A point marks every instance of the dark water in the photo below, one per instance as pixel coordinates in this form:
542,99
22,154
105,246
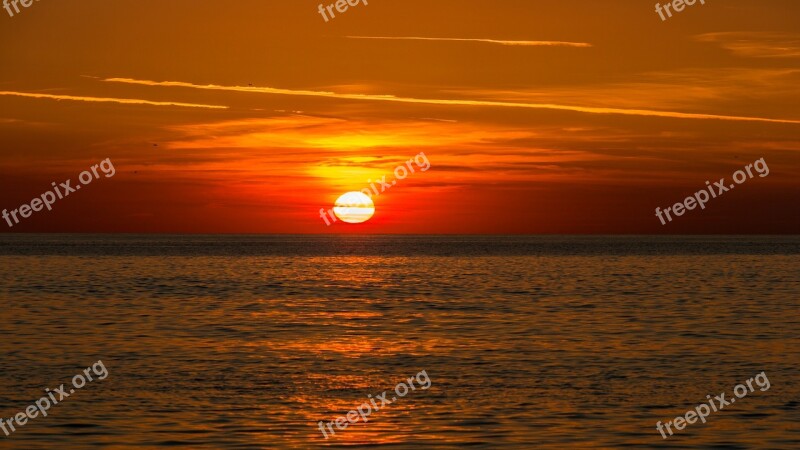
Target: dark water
529,342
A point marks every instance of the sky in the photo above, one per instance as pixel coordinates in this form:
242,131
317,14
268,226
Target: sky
566,117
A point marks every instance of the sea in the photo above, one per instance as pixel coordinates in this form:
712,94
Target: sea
259,341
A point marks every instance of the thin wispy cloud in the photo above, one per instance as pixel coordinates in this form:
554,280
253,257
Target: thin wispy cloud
756,44
125,101
484,41
323,133
452,102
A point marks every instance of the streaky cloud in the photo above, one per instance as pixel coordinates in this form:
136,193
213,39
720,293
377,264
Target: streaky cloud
451,102
485,41
125,101
756,44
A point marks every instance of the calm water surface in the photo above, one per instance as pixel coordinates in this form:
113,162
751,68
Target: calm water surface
242,342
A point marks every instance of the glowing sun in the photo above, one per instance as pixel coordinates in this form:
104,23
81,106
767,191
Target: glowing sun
354,207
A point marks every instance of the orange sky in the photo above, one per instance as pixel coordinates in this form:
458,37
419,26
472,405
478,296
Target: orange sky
569,116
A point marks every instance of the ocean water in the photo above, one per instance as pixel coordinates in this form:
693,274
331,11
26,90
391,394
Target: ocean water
247,342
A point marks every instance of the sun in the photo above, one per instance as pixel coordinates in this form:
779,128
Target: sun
354,207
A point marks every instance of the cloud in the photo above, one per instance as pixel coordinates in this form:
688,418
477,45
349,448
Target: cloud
126,101
452,102
756,44
322,133
735,90
485,41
